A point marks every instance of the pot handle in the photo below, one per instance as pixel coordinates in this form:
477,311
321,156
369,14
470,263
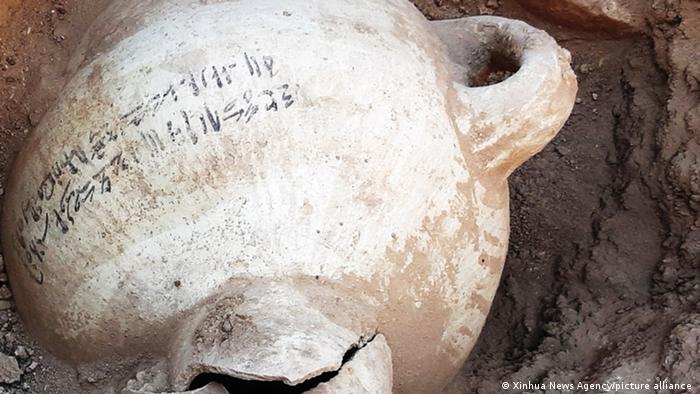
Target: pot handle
501,125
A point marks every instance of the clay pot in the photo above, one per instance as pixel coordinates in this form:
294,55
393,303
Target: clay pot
258,188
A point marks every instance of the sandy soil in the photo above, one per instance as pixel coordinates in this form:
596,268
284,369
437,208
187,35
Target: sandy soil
602,281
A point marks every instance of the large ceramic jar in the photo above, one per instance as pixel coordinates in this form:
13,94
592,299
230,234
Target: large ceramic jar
258,188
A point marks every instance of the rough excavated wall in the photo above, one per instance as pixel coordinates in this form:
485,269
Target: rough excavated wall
675,176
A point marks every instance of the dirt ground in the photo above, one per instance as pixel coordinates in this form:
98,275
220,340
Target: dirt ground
602,281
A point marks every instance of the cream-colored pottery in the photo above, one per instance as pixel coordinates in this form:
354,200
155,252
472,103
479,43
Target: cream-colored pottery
258,188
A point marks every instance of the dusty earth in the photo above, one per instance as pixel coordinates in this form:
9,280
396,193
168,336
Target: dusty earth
602,281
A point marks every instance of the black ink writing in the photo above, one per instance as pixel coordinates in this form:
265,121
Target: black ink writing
84,173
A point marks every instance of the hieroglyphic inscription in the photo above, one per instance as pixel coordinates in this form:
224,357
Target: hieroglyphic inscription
86,171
